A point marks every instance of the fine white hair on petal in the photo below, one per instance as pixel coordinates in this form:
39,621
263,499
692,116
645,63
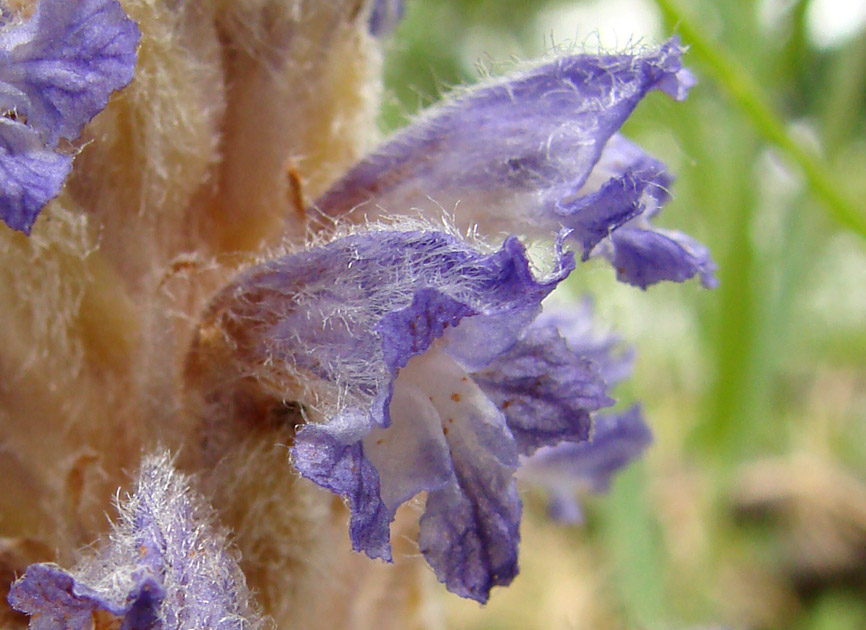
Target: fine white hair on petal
165,564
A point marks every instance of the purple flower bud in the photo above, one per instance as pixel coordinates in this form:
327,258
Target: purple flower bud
165,565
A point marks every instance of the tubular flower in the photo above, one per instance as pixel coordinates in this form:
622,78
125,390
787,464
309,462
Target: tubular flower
439,382
57,71
165,566
537,152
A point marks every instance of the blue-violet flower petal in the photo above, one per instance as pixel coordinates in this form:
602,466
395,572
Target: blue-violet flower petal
617,439
31,175
165,565
645,255
546,390
527,154
57,71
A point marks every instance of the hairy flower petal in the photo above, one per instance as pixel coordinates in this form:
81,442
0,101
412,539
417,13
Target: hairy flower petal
517,154
57,600
379,317
164,566
354,311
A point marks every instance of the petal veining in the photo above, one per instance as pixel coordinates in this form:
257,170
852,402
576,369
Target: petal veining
65,62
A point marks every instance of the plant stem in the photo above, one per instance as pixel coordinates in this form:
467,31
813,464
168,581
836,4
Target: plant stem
749,97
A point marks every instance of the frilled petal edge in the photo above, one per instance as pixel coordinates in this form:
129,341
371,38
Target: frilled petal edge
31,175
166,564
618,438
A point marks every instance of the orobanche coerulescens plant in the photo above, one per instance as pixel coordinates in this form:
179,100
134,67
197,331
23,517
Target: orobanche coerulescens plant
230,326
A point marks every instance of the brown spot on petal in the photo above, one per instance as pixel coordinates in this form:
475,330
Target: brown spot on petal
105,621
455,397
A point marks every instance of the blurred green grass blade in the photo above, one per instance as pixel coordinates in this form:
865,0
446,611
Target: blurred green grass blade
632,539
837,611
750,98
843,106
738,393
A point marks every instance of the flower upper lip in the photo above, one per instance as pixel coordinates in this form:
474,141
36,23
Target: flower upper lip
533,153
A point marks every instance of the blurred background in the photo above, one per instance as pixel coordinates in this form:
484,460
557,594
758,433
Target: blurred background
749,511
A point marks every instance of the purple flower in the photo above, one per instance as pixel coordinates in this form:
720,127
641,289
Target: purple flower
537,152
588,459
617,439
164,566
385,15
437,383
419,357
57,71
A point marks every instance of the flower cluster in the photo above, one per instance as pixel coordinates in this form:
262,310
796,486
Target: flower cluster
420,353
421,358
